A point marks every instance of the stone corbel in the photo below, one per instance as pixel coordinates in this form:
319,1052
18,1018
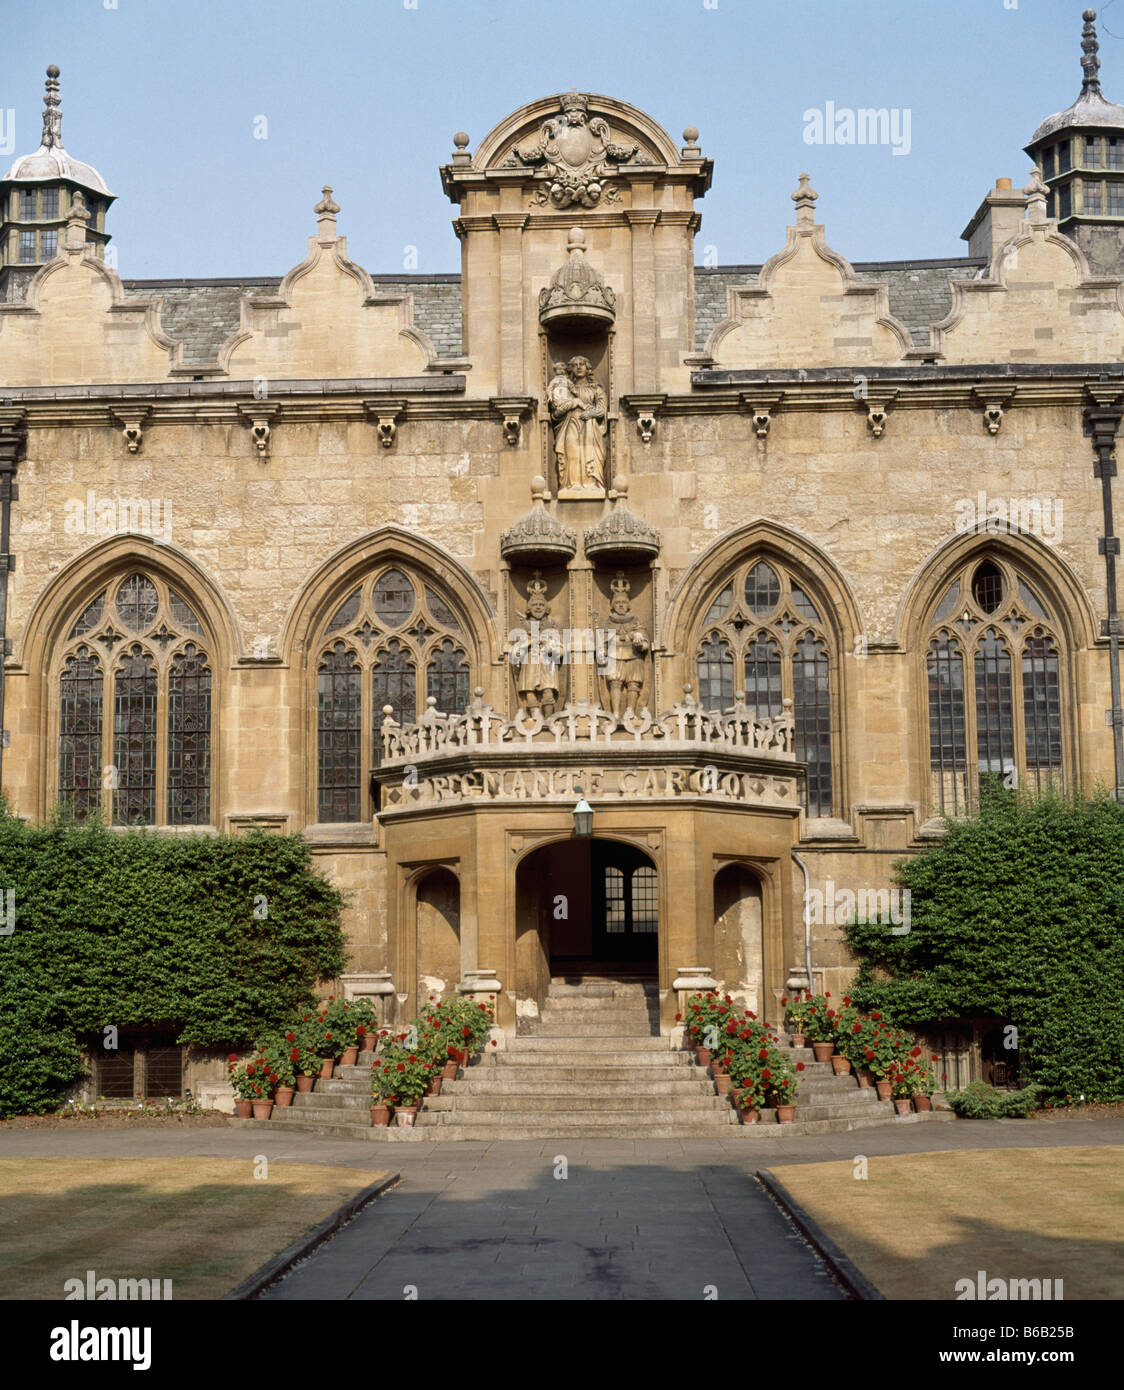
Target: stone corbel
878,411
386,415
259,417
647,411
131,422
761,406
993,401
512,410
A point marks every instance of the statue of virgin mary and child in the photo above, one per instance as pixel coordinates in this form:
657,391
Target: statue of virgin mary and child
578,407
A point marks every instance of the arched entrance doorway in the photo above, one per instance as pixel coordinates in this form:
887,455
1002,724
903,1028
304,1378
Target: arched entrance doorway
586,906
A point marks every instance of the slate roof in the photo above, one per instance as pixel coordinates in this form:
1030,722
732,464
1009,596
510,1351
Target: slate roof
203,313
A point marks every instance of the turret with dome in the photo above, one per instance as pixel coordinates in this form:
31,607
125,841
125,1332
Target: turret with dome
35,201
1081,154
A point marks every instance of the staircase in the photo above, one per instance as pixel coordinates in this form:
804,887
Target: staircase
593,1065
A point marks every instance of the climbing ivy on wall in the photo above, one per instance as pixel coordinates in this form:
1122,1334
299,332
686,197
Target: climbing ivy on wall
218,936
1016,914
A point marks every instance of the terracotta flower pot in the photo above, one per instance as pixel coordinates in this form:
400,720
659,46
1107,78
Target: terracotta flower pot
885,1089
262,1109
326,1065
923,1102
284,1095
903,1105
404,1115
434,1086
840,1065
244,1109
717,1067
380,1114
722,1081
797,1039
369,1041
350,1056
823,1051
703,1056
736,1093
449,1071
304,1083
750,1117
865,1077
786,1114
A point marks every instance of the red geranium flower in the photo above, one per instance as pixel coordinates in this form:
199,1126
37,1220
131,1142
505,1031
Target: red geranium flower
466,1032
846,1001
233,1057
678,1017
784,1003
493,1042
766,1074
249,1068
827,994
763,1054
290,1037
856,1027
401,1066
800,1066
875,1014
295,1055
869,1054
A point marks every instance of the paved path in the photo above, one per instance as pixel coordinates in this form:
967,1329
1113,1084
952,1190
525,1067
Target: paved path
634,1219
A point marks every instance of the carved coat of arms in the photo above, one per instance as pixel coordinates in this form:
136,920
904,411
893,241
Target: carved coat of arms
576,153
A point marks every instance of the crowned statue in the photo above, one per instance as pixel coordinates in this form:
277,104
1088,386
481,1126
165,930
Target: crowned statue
535,653
624,668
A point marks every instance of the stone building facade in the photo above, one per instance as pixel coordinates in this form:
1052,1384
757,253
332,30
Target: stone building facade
766,565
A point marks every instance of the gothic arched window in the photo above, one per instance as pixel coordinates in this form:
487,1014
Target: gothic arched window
393,640
150,763
762,634
995,680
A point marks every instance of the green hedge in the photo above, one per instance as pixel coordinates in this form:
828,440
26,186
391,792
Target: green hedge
142,929
1016,914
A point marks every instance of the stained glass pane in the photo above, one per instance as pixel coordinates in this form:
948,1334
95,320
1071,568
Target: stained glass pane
339,718
762,590
80,733
189,739
134,738
763,677
89,619
347,612
184,614
948,749
1042,711
995,729
716,674
137,603
447,679
441,611
720,604
811,700
393,598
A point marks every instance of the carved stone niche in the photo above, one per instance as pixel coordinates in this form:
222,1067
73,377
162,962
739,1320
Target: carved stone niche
624,636
576,312
535,647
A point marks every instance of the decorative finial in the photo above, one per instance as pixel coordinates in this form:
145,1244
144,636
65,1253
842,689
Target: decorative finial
538,488
52,116
460,140
691,143
1090,63
79,212
805,200
325,211
76,221
576,240
1036,193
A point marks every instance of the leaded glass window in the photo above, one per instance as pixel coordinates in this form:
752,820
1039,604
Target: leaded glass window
141,645
340,706
989,628
764,640
134,738
189,739
80,733
396,628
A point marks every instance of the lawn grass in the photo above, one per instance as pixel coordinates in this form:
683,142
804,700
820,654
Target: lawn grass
204,1223
917,1223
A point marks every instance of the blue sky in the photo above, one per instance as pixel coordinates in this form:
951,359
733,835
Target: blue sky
162,95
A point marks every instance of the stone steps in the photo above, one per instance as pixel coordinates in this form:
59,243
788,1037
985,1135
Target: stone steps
591,1065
